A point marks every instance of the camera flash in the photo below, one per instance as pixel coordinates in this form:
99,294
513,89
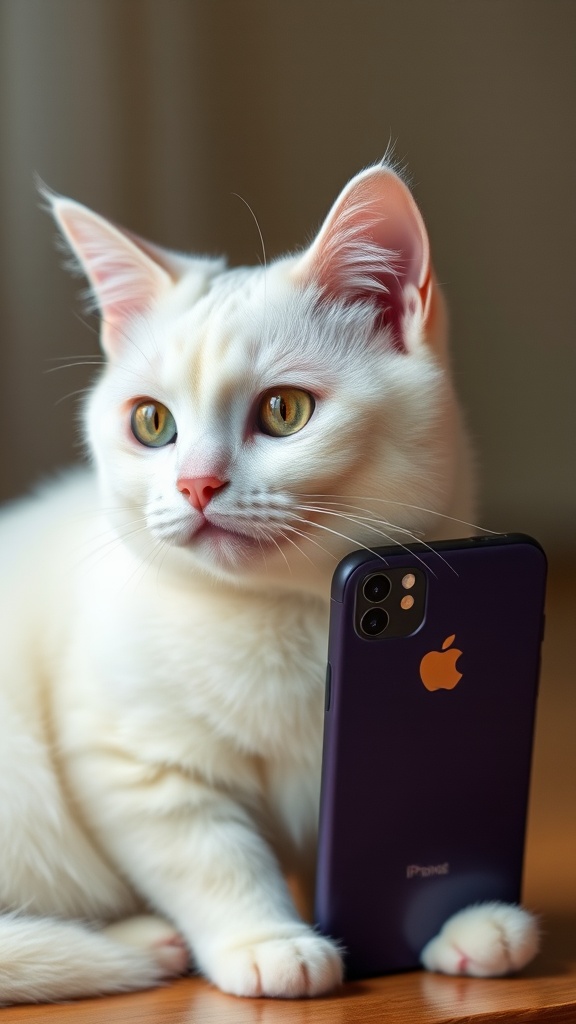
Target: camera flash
408,582
407,602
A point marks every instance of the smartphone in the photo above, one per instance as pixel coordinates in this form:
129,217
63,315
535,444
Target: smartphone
433,667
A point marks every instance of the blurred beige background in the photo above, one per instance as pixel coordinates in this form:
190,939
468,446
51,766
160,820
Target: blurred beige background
156,111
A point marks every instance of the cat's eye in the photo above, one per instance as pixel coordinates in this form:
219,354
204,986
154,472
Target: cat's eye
153,424
284,411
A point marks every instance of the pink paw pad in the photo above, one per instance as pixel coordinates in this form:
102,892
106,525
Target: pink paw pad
172,954
462,963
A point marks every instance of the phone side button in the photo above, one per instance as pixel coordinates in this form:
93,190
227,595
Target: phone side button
328,689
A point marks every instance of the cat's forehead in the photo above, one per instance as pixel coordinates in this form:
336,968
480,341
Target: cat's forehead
249,329
228,328
248,322
233,306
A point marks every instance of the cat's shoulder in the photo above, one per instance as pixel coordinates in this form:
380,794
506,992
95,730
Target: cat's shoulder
76,485
60,504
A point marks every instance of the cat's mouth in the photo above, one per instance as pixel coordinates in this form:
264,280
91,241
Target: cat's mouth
212,531
221,538
220,541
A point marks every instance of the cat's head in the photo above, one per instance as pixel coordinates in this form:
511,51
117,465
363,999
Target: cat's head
259,423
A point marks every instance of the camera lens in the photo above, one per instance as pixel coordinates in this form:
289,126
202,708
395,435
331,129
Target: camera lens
377,588
374,621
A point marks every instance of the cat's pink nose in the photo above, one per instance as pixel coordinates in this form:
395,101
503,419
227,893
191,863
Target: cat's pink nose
199,490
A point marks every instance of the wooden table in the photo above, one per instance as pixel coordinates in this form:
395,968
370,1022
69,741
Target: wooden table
544,992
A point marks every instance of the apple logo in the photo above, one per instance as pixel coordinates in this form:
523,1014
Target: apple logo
438,668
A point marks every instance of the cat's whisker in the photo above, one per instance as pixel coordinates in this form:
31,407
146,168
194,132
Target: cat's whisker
133,377
115,529
130,340
164,551
283,553
98,510
363,520
405,504
152,338
337,533
145,565
94,328
415,535
381,533
369,512
295,545
109,512
261,546
72,394
343,515
75,355
71,364
255,219
81,361
264,260
110,545
321,508
309,540
90,559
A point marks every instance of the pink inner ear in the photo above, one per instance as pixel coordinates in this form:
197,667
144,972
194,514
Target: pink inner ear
372,246
125,279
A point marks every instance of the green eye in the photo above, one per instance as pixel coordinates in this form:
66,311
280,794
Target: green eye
153,424
284,411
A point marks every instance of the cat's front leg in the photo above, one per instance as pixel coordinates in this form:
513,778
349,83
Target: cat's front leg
204,865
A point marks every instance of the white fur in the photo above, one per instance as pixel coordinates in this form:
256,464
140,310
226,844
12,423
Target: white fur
162,690
484,941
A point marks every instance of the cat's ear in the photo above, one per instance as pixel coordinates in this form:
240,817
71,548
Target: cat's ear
126,274
373,246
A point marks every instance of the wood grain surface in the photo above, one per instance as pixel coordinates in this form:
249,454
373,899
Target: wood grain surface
545,992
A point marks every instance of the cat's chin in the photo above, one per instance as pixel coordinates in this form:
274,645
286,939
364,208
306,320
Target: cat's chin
225,548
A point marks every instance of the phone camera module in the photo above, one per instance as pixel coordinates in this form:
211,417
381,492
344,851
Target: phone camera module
374,621
390,602
377,588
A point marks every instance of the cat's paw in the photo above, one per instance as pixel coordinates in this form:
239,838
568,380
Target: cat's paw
484,941
304,964
157,937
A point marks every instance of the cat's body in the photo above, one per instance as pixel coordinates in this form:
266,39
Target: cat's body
164,616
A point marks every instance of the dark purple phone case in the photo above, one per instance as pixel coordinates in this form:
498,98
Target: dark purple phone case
433,780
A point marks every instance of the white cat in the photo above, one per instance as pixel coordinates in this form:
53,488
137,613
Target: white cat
164,614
